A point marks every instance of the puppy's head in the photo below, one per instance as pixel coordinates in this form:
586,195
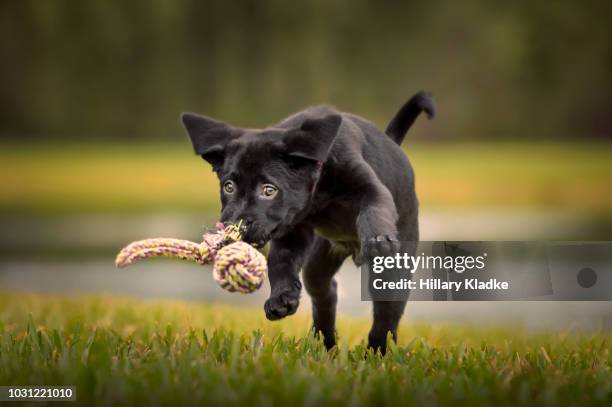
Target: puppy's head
267,176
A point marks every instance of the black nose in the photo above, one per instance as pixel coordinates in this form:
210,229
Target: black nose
247,228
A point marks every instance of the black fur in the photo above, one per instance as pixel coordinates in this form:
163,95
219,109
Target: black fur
316,185
403,119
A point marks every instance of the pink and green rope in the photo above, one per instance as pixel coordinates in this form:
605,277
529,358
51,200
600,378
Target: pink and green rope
237,266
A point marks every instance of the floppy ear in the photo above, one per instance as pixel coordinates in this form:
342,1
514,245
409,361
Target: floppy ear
209,137
314,138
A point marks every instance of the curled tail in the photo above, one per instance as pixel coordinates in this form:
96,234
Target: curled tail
404,118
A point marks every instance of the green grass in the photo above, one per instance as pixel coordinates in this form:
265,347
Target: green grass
132,352
47,178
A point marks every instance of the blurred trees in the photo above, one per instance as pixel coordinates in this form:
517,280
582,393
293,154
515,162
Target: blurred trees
125,70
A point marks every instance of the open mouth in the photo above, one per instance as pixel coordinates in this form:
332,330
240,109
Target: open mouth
261,241
259,244
256,238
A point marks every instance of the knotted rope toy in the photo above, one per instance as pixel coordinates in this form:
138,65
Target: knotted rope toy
237,266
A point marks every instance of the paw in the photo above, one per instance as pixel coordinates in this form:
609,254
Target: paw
380,245
378,341
328,339
284,302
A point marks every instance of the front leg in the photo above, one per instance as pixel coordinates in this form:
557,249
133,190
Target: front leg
377,222
378,216
285,260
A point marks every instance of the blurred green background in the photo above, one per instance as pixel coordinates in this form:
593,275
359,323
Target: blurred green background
124,70
93,155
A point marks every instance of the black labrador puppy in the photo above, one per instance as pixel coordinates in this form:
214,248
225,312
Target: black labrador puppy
315,186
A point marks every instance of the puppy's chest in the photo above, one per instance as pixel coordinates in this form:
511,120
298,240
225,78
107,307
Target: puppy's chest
336,222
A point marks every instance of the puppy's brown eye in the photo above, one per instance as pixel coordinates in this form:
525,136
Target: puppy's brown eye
229,187
268,191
